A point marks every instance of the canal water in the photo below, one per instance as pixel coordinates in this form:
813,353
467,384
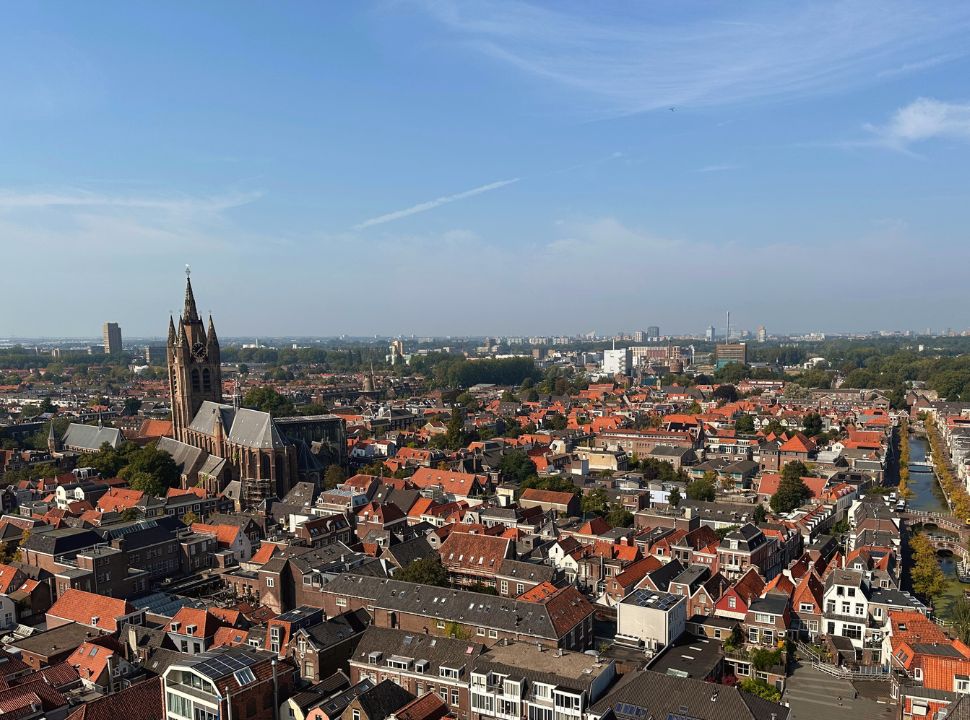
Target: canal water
928,496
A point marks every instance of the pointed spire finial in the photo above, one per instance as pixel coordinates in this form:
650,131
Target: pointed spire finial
190,313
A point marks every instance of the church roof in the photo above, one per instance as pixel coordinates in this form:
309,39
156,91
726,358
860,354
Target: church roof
203,420
90,437
187,457
255,429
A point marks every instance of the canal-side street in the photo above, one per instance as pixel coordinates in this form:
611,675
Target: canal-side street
928,496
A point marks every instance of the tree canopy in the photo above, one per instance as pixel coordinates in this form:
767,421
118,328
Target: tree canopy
792,491
266,399
516,466
424,571
702,488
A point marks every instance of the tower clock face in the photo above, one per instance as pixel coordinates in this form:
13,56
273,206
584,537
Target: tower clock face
198,351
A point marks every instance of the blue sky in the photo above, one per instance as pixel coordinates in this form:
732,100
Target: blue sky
485,167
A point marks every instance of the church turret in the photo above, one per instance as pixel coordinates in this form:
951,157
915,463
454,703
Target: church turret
212,339
52,444
171,331
189,314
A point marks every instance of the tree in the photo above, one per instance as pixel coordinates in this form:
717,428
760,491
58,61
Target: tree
673,499
728,393
456,437
268,400
596,502
760,688
619,516
424,571
556,483
792,491
333,477
131,406
189,519
744,424
812,424
925,572
960,614
129,515
555,421
147,483
152,461
702,488
516,466
760,514
47,405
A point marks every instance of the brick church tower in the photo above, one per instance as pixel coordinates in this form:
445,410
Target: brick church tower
194,371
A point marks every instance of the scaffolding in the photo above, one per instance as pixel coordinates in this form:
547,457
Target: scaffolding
255,491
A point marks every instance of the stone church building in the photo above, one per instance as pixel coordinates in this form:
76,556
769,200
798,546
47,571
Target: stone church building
246,454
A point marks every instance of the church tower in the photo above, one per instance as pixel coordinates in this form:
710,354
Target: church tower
194,369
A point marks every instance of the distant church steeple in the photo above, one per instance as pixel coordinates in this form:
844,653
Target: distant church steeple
194,367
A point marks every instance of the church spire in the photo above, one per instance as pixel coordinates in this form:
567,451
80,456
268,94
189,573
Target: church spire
171,331
211,333
190,314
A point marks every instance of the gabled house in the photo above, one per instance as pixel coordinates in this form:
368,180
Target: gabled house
736,600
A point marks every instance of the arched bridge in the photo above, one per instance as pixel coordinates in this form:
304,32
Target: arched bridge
950,545
941,520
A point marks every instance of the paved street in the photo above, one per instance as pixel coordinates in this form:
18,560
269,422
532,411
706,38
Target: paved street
813,695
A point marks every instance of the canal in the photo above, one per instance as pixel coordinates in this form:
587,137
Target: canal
928,496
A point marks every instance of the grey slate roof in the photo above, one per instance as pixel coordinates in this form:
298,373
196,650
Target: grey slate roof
59,542
665,696
204,423
187,457
336,704
533,572
463,606
255,429
384,699
438,651
407,552
90,437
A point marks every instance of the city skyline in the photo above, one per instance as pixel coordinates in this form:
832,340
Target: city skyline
486,168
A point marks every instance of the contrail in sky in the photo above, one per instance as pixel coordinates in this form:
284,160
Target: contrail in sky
432,204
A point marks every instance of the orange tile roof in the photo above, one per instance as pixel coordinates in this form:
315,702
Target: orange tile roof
203,624
82,607
225,534
90,660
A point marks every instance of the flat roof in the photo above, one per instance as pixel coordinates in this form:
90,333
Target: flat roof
656,599
690,656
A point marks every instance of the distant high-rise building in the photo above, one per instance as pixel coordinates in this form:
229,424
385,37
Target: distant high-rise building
653,332
731,353
638,336
762,334
710,334
617,361
156,354
112,338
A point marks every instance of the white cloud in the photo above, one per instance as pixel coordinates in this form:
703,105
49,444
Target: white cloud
79,198
924,119
628,62
432,204
716,168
